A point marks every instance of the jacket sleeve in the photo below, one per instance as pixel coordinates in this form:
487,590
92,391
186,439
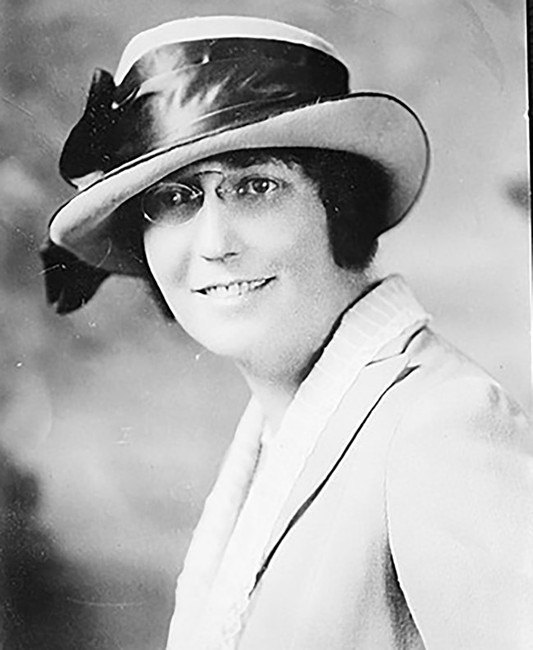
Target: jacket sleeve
460,515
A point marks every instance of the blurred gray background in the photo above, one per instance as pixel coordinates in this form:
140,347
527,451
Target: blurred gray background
112,422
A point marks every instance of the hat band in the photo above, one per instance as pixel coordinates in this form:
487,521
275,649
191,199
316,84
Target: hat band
186,91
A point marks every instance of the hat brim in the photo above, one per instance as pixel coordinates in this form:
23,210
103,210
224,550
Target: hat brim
374,125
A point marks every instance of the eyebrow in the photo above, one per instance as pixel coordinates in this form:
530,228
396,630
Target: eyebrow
231,164
247,158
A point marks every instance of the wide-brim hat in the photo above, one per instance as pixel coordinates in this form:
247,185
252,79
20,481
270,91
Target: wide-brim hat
193,88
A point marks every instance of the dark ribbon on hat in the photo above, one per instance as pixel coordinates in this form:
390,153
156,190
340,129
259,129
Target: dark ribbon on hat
181,92
69,281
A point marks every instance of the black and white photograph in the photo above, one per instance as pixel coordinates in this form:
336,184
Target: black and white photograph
265,325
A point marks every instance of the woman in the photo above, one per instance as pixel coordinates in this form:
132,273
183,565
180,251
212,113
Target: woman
375,494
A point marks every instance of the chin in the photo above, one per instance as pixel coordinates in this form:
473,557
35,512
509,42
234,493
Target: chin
237,352
230,342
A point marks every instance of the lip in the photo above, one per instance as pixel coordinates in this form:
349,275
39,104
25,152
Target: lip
237,288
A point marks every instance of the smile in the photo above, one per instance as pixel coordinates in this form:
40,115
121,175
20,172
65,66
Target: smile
236,288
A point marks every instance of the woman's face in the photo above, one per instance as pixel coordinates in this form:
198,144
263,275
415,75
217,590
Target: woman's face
242,257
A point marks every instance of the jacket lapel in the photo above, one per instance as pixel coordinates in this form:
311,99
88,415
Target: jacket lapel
335,441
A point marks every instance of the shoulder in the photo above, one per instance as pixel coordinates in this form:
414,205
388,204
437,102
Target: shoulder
459,481
452,400
463,448
461,441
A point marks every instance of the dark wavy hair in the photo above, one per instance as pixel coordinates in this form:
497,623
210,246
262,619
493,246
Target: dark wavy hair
354,190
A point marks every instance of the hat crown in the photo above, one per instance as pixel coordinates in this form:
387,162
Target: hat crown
215,27
175,91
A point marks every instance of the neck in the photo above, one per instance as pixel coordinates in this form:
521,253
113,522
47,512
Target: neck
274,382
274,399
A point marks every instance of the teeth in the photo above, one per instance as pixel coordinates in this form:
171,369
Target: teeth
234,289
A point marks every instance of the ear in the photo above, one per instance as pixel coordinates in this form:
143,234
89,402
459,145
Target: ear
69,281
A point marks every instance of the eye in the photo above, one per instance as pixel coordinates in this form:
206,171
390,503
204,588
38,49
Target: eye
170,202
175,194
257,186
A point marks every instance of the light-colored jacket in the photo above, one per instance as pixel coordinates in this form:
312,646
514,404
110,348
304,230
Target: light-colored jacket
415,528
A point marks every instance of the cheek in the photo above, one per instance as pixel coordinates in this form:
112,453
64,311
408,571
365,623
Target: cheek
307,249
296,238
167,260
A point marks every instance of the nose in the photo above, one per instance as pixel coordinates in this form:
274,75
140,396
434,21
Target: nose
215,235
